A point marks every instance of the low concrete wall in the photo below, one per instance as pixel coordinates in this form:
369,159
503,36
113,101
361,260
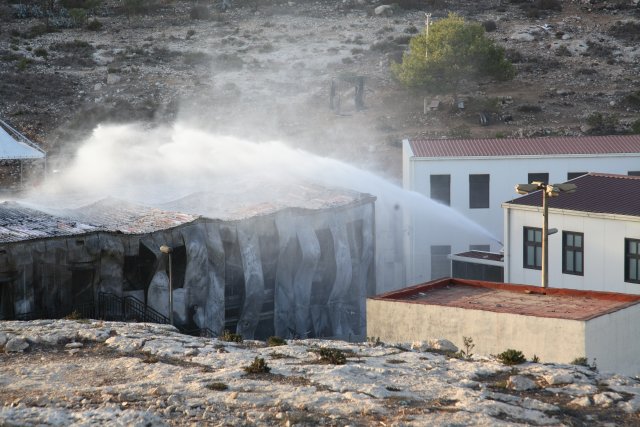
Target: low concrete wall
612,340
552,340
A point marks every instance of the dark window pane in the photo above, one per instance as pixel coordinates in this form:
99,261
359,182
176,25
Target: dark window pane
633,173
478,191
539,176
441,188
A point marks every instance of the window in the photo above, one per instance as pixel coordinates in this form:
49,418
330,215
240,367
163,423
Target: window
479,191
538,176
440,261
532,248
572,253
632,260
482,248
633,173
441,189
572,175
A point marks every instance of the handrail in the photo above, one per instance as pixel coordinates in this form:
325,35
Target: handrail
21,137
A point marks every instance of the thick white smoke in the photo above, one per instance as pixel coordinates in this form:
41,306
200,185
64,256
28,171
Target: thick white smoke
157,166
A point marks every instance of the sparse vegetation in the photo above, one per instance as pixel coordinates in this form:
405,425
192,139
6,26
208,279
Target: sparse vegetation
602,124
511,357
94,25
332,356
583,361
229,336
563,50
41,52
258,366
276,341
468,344
635,127
535,359
217,386
150,358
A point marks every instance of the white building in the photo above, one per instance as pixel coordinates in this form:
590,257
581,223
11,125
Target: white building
597,246
475,176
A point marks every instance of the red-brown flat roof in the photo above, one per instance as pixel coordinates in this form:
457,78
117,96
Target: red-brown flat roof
505,147
513,299
595,192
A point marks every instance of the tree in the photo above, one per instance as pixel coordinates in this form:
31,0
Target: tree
454,50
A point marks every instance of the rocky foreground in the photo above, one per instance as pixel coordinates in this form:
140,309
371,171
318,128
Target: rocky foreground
80,372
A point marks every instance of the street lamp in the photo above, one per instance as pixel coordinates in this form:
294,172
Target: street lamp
167,250
548,190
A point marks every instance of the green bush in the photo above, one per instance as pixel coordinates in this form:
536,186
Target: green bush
230,337
41,52
511,357
455,50
276,341
217,386
94,25
78,16
635,127
632,100
602,124
258,366
332,356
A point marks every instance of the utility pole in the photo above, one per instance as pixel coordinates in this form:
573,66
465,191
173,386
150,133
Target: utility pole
426,24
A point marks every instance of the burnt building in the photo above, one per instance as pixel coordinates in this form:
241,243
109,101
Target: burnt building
300,266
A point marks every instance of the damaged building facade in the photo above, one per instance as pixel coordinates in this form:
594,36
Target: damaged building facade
295,269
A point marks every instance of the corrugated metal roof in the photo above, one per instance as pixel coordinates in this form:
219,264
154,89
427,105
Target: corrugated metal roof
128,218
551,146
13,148
19,223
247,201
596,192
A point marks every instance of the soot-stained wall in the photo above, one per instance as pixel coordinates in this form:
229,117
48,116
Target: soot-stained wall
295,273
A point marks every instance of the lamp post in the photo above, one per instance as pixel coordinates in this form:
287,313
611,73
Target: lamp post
167,250
548,190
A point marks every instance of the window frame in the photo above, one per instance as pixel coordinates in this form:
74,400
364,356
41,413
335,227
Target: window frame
476,187
577,251
628,257
526,244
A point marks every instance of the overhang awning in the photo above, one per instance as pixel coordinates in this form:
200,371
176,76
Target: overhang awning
13,149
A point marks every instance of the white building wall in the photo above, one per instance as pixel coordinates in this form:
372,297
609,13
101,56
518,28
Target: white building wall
603,249
612,341
504,173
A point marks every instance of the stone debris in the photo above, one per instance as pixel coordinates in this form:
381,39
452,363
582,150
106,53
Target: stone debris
16,344
520,383
143,375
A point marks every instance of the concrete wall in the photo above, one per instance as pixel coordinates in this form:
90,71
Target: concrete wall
603,249
552,340
505,173
612,341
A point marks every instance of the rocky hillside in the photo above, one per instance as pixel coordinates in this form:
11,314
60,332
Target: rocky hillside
81,373
262,70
